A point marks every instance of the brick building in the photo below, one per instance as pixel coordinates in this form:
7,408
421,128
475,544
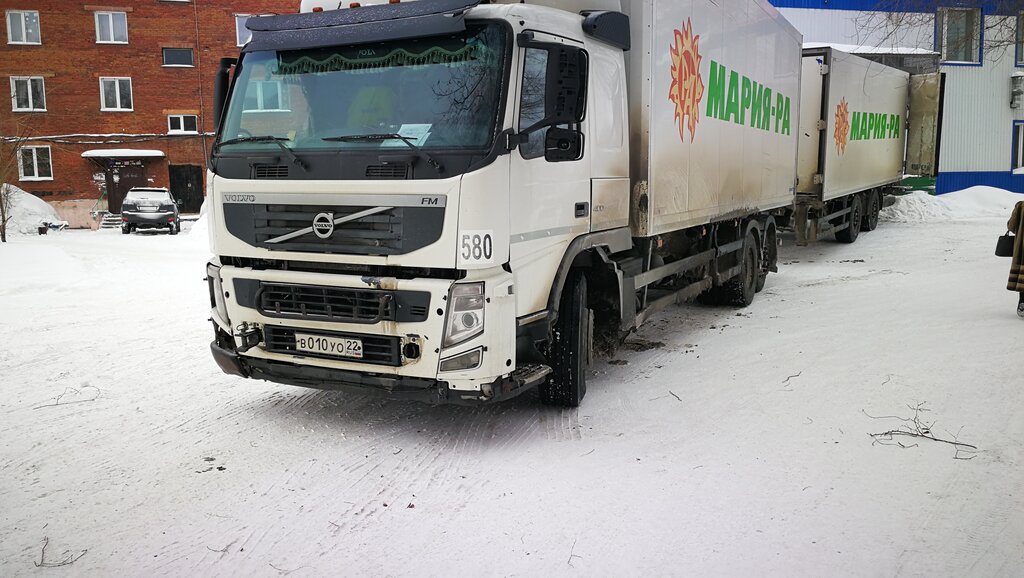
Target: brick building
114,95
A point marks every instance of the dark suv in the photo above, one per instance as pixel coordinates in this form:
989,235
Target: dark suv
149,208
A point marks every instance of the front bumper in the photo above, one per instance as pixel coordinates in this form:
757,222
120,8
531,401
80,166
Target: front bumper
253,341
432,391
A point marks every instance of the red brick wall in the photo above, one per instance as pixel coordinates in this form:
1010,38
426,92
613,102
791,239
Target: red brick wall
71,62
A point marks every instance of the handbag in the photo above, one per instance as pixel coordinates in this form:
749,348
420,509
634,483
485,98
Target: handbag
1004,246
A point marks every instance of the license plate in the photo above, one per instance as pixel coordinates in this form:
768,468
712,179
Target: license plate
339,346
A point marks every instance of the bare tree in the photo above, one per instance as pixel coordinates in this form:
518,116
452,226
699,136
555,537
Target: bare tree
10,157
954,31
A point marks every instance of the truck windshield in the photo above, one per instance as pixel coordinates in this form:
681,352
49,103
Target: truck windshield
437,93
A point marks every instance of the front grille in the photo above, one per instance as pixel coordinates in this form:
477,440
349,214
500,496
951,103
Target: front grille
388,171
377,349
339,304
392,231
327,303
270,171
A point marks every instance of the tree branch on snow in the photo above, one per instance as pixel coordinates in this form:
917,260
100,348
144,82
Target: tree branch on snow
915,427
68,558
76,392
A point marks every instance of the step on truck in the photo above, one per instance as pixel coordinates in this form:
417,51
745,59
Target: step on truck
453,201
853,114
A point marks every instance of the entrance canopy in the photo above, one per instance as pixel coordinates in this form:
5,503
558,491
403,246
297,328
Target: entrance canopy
121,154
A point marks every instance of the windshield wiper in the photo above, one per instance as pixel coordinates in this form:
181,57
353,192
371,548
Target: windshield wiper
278,140
388,136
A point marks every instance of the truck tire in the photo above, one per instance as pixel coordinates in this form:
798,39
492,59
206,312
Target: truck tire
570,348
850,234
873,208
768,257
740,290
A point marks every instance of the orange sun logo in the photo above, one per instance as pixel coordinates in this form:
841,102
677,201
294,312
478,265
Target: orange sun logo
842,131
687,88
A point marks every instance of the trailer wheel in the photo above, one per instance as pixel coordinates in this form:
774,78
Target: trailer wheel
740,290
874,207
570,348
849,234
769,257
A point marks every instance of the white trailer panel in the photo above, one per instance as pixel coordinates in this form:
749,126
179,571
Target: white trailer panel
864,114
714,109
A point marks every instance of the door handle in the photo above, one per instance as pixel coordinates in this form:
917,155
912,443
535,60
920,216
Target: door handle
582,210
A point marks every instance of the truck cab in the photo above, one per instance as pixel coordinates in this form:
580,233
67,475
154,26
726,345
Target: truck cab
391,211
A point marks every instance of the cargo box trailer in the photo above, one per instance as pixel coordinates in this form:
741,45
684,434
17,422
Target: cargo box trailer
852,140
452,201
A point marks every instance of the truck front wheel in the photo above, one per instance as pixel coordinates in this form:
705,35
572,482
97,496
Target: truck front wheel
570,347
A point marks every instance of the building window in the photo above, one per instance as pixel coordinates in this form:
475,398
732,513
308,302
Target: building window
23,27
182,124
1018,146
111,28
959,35
177,57
35,164
116,94
1020,40
28,94
267,95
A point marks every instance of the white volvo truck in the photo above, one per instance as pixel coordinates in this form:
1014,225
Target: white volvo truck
452,200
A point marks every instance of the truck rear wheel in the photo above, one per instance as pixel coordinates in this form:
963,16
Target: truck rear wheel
570,348
849,234
740,289
874,207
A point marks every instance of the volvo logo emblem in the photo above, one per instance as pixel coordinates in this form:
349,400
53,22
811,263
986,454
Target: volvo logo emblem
323,225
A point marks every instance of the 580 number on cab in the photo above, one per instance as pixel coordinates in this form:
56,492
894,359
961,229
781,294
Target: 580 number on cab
476,248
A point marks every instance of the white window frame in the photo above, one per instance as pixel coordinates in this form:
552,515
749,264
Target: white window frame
239,26
189,48
131,94
283,100
35,164
181,123
24,31
14,94
110,28
941,14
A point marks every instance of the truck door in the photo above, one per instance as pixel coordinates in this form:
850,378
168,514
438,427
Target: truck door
923,124
550,199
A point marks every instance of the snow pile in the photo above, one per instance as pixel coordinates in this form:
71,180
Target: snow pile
28,212
972,203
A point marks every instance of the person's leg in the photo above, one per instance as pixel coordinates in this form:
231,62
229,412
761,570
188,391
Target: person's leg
1020,305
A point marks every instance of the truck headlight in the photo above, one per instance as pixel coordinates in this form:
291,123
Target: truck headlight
216,291
465,318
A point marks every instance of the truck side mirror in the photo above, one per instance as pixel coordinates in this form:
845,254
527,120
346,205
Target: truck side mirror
563,144
220,89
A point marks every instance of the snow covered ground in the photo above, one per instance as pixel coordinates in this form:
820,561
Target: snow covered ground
730,443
